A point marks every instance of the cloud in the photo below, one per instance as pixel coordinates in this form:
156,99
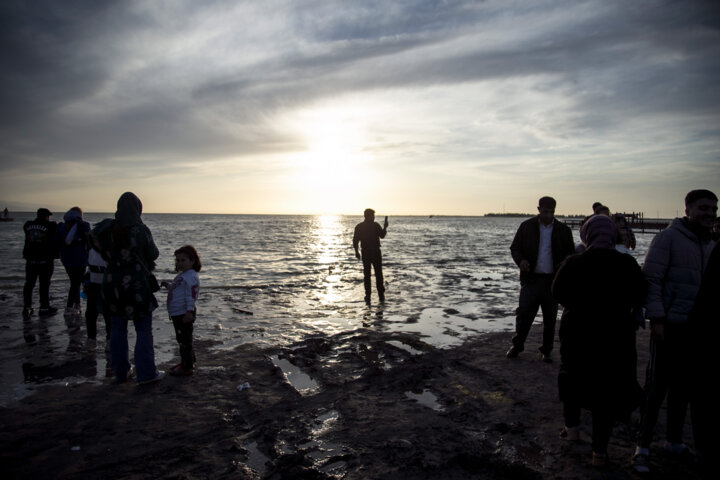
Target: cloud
496,87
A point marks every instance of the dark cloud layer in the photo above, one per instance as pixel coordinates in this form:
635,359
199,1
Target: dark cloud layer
100,81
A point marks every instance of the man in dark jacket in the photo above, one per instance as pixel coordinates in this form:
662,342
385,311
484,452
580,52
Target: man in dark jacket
368,234
40,252
539,247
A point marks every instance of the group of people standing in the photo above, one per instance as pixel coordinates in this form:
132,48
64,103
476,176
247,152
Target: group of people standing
44,242
603,292
120,253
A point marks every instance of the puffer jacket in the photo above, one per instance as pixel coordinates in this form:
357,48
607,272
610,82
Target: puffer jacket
674,266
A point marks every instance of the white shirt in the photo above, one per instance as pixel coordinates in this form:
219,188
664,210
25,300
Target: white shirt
545,260
97,266
183,293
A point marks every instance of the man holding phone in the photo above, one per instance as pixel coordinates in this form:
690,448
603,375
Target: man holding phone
368,233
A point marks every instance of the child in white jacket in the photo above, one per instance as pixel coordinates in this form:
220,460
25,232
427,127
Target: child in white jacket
182,295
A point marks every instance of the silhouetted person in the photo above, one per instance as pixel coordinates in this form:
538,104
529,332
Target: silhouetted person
72,236
368,233
704,323
39,252
626,237
127,246
674,265
93,286
599,290
540,245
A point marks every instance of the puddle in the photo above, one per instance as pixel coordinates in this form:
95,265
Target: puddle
256,460
298,379
426,398
321,451
438,327
404,346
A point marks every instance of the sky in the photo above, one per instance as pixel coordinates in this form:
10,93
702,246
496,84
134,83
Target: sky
330,107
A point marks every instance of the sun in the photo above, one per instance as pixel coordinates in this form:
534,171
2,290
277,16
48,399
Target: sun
333,169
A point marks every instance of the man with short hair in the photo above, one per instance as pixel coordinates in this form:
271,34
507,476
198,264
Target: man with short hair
39,252
540,245
674,265
368,233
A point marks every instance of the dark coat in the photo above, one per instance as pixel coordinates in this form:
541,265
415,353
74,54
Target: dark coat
40,245
130,253
600,291
704,318
527,241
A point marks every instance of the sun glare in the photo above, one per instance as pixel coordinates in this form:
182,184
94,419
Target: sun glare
333,167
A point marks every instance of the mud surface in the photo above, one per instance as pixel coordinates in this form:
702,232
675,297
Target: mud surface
360,405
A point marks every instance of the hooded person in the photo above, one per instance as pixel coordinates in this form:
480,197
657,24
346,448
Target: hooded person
127,246
599,290
71,236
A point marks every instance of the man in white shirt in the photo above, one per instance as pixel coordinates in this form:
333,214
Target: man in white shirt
540,245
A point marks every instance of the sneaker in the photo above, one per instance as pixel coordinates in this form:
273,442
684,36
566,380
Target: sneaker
599,460
48,311
158,376
27,311
571,434
641,460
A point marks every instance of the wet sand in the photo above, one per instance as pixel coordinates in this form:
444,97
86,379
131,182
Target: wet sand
357,405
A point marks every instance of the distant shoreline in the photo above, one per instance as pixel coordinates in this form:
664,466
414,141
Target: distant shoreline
574,215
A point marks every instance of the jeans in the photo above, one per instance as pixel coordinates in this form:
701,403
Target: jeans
75,274
668,374
33,271
92,290
536,293
373,260
144,350
183,334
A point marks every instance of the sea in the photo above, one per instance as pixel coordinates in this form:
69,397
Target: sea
274,280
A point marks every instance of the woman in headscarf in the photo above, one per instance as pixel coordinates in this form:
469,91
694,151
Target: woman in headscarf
127,246
599,290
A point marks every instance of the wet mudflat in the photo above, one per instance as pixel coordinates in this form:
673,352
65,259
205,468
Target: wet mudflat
356,405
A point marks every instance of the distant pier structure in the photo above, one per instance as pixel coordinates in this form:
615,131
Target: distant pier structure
636,220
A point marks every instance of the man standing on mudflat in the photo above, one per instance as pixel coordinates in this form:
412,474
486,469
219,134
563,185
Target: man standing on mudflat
368,233
540,245
39,252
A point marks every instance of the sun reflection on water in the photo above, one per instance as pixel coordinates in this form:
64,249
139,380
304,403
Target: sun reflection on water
330,243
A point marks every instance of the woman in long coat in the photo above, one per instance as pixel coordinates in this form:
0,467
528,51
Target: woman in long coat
127,246
600,291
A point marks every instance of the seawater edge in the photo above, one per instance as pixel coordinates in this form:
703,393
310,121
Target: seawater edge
449,278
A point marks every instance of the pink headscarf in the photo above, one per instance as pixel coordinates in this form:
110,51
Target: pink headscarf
600,232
